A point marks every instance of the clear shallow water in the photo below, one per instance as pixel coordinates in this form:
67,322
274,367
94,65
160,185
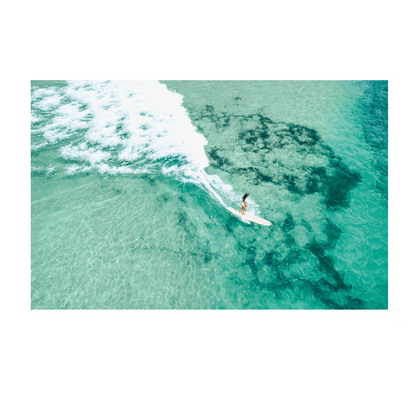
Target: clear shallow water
130,183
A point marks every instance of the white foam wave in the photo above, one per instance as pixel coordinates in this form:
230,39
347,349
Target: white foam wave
37,145
130,122
38,92
48,102
104,168
81,152
34,118
70,170
68,119
53,136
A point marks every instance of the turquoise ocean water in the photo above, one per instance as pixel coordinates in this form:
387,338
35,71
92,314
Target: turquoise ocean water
131,180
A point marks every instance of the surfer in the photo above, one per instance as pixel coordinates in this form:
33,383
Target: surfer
244,205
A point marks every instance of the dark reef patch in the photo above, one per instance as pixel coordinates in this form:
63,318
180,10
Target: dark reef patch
315,180
327,265
263,138
295,158
186,224
254,174
332,232
290,182
216,159
340,184
306,225
288,223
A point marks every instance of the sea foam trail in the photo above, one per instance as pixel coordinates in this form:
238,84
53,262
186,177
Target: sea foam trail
128,127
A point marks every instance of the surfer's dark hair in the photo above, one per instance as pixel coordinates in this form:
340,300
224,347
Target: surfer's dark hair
245,196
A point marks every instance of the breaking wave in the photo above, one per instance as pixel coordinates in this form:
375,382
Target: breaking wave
124,127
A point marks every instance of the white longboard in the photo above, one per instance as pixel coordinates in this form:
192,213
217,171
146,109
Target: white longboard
250,217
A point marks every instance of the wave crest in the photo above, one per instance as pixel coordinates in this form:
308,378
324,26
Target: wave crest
127,127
